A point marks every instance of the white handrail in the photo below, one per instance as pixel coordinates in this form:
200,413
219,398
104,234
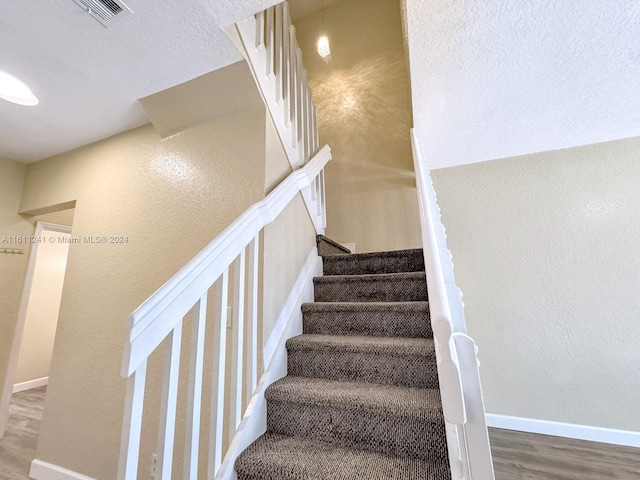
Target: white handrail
160,318
456,353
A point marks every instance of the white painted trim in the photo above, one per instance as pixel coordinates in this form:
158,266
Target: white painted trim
7,388
308,271
38,382
254,422
567,430
48,471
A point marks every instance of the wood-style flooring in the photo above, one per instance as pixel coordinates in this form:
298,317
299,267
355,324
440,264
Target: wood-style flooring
18,447
528,456
516,455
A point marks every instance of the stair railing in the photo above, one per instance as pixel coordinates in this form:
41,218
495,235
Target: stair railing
272,52
159,320
456,353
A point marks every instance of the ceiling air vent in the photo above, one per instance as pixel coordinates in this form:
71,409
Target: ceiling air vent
107,12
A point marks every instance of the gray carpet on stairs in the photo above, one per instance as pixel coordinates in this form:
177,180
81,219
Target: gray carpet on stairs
361,398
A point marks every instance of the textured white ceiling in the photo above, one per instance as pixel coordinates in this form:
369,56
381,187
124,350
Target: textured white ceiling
88,78
495,78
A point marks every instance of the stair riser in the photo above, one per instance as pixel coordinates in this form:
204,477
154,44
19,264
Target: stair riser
352,265
371,290
378,432
405,370
379,324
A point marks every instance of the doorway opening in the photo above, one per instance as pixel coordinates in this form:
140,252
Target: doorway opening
24,389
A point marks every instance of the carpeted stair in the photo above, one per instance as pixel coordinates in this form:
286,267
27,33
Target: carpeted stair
361,398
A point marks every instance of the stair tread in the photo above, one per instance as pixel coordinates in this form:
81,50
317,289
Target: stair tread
385,254
291,458
422,404
395,346
420,306
370,277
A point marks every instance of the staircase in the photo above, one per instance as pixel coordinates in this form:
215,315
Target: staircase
361,397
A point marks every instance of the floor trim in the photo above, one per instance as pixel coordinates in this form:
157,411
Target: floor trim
38,382
48,471
568,430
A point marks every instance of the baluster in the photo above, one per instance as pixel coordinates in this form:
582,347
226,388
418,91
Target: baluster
323,199
308,116
269,43
305,117
318,192
314,189
169,403
286,63
300,105
132,424
237,345
218,368
260,31
293,82
252,315
194,402
316,141
279,19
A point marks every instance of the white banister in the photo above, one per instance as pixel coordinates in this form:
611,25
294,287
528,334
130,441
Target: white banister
456,355
283,83
159,321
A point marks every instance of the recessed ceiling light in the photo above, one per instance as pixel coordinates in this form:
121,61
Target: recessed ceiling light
15,91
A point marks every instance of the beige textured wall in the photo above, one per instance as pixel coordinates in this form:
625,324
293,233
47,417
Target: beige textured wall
41,319
364,113
547,253
170,198
286,242
13,268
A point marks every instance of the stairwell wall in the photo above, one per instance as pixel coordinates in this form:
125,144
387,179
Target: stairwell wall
364,113
13,268
547,253
169,198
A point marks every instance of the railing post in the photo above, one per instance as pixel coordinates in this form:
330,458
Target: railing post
269,43
166,435
132,425
194,402
216,421
252,316
238,343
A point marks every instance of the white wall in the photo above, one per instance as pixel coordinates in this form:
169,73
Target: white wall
493,79
41,317
546,250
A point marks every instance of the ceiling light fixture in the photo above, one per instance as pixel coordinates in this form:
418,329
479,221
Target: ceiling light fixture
16,91
323,40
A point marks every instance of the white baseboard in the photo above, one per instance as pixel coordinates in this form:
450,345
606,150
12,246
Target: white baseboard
38,382
350,246
254,421
568,430
47,471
